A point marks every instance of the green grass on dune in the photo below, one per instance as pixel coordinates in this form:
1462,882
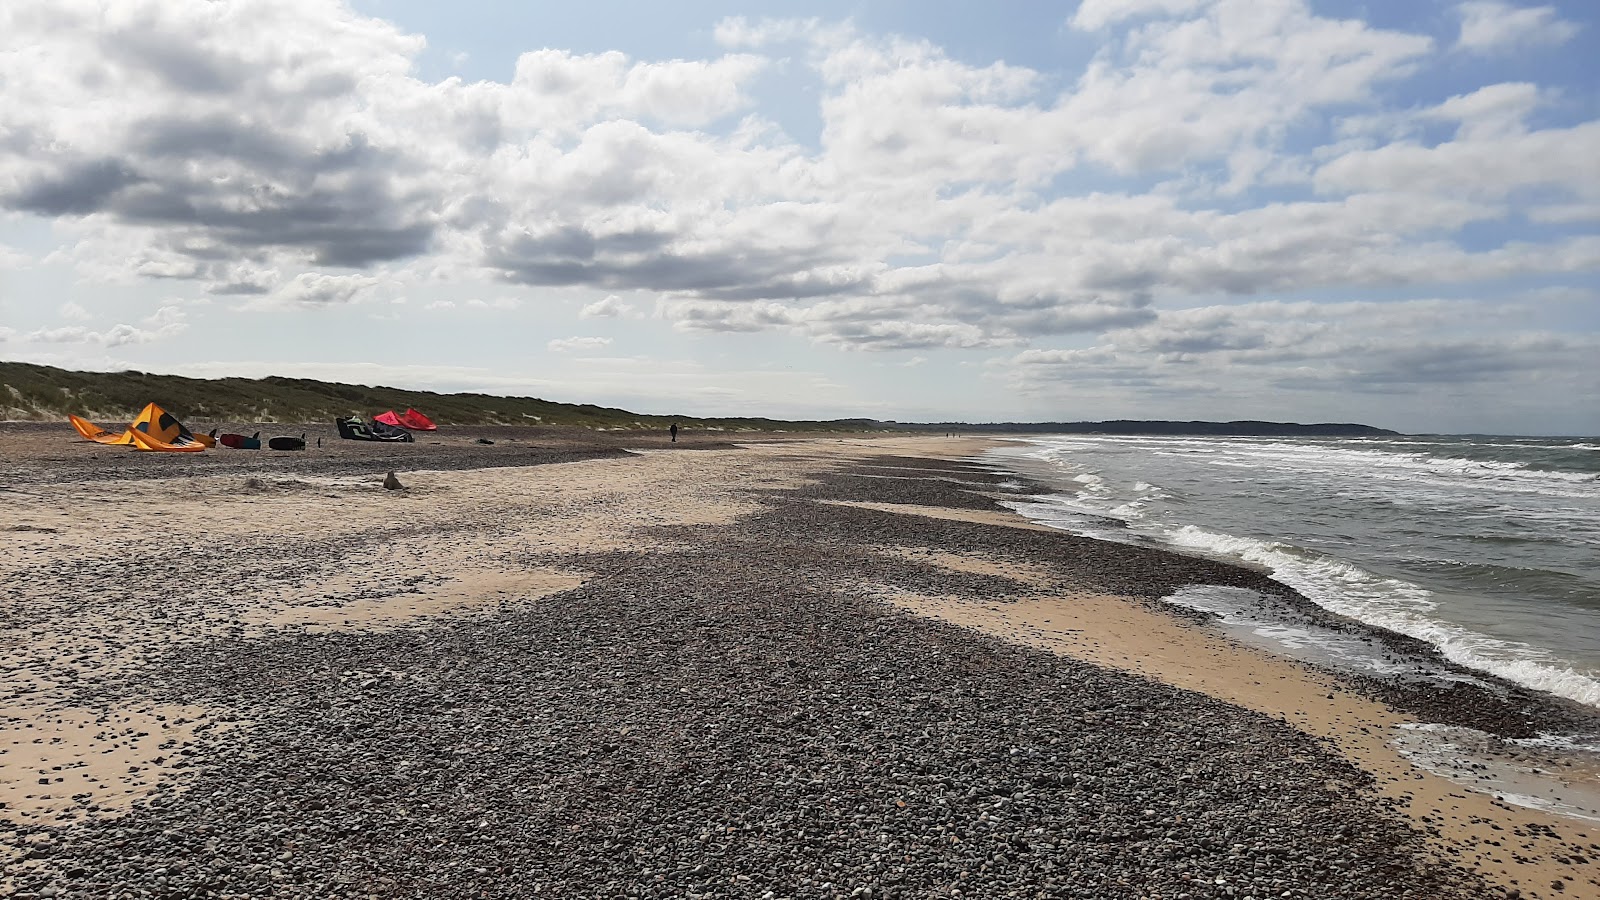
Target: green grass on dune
43,393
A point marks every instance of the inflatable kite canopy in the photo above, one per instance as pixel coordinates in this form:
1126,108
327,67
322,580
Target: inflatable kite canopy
154,429
410,420
93,432
157,429
417,421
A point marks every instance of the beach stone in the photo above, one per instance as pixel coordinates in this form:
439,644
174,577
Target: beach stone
728,714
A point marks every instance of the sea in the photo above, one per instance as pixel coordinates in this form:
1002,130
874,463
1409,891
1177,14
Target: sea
1486,547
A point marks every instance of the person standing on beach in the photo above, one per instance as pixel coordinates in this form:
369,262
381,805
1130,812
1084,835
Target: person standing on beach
674,430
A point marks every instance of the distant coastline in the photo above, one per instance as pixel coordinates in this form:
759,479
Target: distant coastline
1242,428
36,393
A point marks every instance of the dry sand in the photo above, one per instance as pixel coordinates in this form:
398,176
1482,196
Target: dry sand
216,544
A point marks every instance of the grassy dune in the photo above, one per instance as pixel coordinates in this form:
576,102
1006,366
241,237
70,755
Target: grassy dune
43,393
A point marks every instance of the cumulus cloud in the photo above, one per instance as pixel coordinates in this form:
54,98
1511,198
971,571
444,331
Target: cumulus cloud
1480,163
1227,84
607,307
316,289
888,324
253,126
172,319
285,155
572,344
166,322
557,89
1490,26
1489,111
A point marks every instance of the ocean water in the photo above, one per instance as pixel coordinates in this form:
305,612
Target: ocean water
1486,547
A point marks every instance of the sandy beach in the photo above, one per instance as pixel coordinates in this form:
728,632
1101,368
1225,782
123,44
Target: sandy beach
605,665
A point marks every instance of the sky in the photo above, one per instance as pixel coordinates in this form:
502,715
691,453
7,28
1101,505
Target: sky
1293,210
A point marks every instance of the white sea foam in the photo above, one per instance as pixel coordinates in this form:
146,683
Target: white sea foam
1386,462
1399,606
1129,511
1245,614
1566,743
1475,760
1405,506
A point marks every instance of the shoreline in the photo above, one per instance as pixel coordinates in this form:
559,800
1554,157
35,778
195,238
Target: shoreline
474,549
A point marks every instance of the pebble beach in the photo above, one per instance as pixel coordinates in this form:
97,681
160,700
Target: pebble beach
587,665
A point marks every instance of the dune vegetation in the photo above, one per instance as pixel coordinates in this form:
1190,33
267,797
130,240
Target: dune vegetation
41,393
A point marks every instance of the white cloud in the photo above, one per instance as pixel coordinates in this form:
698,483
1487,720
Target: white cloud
571,344
739,32
315,289
1485,163
1237,77
167,317
554,88
888,323
13,259
1566,213
75,312
1497,109
1358,347
166,322
1093,14
499,304
1490,26
248,128
607,307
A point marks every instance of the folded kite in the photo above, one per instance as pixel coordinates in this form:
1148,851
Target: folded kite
353,428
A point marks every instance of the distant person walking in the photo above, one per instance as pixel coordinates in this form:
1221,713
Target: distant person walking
674,430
